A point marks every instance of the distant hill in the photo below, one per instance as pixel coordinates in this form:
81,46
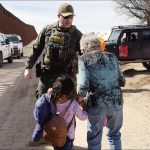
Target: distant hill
10,24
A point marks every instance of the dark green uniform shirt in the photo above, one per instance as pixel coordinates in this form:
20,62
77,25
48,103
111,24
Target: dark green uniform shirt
42,44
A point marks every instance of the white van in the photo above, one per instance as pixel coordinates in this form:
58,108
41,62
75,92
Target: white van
16,45
5,50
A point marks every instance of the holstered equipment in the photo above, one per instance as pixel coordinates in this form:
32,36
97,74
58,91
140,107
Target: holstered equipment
38,69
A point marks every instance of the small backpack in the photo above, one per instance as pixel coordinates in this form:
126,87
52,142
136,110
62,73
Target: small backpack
55,130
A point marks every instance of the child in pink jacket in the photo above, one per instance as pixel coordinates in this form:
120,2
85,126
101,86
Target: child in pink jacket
58,98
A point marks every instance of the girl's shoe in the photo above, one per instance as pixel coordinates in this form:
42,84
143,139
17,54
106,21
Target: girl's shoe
40,142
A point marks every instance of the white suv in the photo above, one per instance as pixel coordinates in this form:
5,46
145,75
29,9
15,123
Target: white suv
5,50
16,45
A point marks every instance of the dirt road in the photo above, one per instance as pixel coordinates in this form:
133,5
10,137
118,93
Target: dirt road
17,101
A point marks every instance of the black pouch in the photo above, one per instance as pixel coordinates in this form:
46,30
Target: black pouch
38,69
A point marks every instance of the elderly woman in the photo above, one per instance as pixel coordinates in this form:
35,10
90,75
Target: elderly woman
99,81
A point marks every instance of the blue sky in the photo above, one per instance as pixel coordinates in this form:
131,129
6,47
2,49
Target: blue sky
91,16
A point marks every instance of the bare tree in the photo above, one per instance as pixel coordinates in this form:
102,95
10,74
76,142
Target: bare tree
140,9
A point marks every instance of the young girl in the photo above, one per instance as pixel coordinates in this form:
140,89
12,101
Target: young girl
56,101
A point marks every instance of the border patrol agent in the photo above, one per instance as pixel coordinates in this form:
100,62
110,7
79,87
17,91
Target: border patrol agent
59,44
100,81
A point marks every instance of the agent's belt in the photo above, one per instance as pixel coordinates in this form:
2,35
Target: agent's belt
55,69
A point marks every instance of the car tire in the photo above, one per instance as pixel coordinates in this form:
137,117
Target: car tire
10,58
19,55
22,54
146,65
1,59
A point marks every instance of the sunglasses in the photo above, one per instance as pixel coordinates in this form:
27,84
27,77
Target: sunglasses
68,17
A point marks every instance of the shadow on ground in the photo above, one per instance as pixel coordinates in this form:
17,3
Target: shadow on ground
135,90
79,148
133,72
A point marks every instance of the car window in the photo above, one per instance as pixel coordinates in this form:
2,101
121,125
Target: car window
133,36
146,35
129,37
13,39
124,38
113,38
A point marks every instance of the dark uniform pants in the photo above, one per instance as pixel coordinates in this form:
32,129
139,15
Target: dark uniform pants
47,79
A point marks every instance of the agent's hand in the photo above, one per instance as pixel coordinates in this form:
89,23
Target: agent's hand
28,74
